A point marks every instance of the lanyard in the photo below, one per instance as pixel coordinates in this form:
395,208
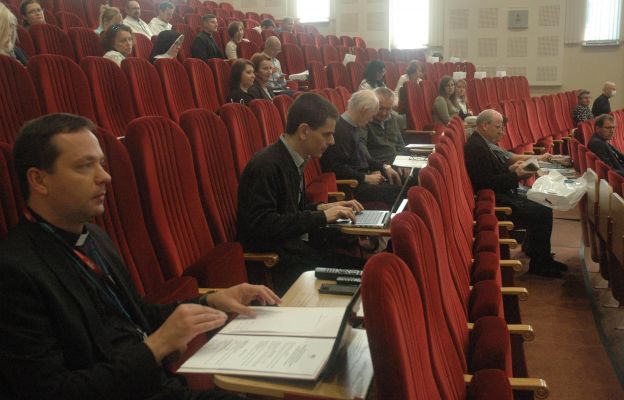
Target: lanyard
99,275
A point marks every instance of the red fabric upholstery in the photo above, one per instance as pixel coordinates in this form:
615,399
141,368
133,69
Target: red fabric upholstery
359,42
372,54
75,7
333,40
318,77
49,39
214,167
615,181
345,94
293,59
142,46
10,209
124,223
268,117
113,106
25,41
305,39
397,334
85,43
254,37
361,55
246,49
202,84
329,54
356,74
221,73
335,98
311,53
245,133
18,99
282,103
337,75
176,87
490,384
392,74
68,20
62,86
162,159
147,96
189,35
92,11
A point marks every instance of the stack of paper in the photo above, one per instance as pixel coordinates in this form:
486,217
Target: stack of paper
410,162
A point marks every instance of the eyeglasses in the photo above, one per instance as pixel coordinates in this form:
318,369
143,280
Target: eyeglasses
35,11
115,27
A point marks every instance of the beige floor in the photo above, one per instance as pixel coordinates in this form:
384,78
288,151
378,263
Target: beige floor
567,350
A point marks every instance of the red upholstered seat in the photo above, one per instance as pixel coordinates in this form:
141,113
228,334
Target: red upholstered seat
92,11
318,76
49,39
329,54
245,133
18,99
254,37
320,40
124,222
311,53
345,94
305,39
392,74
269,119
291,59
221,73
176,87
85,43
202,84
147,95
333,40
282,103
337,75
246,49
113,104
335,98
142,46
372,54
62,85
356,74
361,55
75,7
25,41
68,20
287,38
162,159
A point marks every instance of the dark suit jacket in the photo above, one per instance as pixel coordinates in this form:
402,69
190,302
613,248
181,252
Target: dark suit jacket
486,171
205,47
256,92
601,105
269,213
237,95
607,153
53,344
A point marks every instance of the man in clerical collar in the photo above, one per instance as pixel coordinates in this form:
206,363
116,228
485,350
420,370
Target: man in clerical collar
134,21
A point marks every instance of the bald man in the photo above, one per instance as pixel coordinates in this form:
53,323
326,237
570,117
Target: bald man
491,167
134,21
272,47
602,104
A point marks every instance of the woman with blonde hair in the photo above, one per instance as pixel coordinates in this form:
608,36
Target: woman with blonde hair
109,16
8,36
445,105
461,99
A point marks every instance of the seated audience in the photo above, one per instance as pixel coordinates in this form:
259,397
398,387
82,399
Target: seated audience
265,25
600,146
262,70
491,167
445,105
349,159
236,33
461,99
601,104
272,214
109,16
162,22
413,73
72,319
383,134
8,36
32,12
167,45
287,25
373,75
134,21
242,78
581,111
272,47
117,42
204,45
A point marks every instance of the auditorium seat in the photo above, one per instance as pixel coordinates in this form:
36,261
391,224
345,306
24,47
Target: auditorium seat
62,86
333,40
320,40
345,94
68,20
253,15
112,102
245,133
335,98
392,74
372,54
162,159
311,53
266,33
291,59
254,37
202,84
124,222
411,358
342,51
245,49
287,38
329,54
25,41
147,95
75,7
361,55
176,87
49,39
356,74
305,39
283,103
269,120
189,35
221,73
359,42
337,75
142,46
318,75
18,99
85,43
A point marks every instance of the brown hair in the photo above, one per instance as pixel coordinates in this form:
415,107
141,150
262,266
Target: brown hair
233,28
109,35
237,70
257,58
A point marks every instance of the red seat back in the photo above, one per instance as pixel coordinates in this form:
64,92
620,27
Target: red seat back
318,76
68,20
142,46
283,103
221,73
335,98
269,119
75,7
356,74
49,39
25,41
293,59
245,49
85,43
372,54
329,54
245,133
202,84
392,74
176,87
337,75
147,94
311,53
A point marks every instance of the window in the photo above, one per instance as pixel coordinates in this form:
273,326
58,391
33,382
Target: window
602,22
313,10
409,24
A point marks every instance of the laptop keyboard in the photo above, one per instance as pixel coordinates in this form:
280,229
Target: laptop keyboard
371,217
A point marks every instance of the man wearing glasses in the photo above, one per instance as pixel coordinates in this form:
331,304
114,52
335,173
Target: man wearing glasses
600,146
134,21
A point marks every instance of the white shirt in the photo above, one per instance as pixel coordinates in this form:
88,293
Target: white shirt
115,56
138,26
157,25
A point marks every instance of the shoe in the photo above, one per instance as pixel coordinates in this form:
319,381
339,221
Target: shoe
558,265
546,270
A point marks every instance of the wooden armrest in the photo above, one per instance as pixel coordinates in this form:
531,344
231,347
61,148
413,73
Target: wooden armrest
535,385
557,141
415,132
351,230
515,264
521,293
516,329
204,290
504,210
352,183
338,196
502,224
269,259
512,243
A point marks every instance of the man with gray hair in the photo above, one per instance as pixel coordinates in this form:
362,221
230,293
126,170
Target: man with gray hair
490,167
134,21
383,134
288,24
349,159
272,47
601,104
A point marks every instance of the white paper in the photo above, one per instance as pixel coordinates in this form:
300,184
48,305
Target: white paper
348,58
288,321
457,75
480,74
501,74
420,146
454,59
285,357
432,60
410,162
301,76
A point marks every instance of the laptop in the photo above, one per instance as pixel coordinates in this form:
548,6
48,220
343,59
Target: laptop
377,218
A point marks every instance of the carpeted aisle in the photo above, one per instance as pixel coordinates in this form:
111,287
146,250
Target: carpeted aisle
567,351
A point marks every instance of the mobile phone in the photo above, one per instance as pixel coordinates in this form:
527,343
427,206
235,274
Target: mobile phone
346,290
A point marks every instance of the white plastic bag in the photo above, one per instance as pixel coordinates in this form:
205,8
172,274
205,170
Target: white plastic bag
557,192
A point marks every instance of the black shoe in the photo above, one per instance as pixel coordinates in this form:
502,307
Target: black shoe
558,265
544,269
